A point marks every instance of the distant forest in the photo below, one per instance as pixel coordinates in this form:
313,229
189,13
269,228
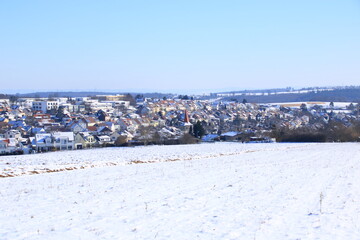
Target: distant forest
4,96
82,94
337,95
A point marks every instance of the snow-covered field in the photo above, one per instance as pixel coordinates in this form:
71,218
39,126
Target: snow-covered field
80,159
207,191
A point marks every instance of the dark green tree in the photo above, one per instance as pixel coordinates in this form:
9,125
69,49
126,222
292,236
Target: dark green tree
185,97
351,106
13,98
303,107
198,130
130,98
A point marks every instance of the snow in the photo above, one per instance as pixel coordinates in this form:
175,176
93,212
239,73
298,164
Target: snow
68,135
312,103
207,191
80,159
230,134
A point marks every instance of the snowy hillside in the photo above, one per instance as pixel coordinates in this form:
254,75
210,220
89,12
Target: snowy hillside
208,191
72,160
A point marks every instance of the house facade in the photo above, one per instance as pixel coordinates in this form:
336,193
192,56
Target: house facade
44,106
84,140
63,140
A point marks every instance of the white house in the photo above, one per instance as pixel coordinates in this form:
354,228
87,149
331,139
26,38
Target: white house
10,145
44,106
4,146
104,140
63,140
55,141
43,142
13,134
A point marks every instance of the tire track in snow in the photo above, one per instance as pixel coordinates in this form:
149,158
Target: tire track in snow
16,171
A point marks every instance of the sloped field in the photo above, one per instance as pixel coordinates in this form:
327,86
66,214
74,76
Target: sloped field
209,191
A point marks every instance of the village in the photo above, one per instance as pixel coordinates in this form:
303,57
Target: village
37,125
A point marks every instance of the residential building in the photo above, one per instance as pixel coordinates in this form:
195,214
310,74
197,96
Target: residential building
63,140
45,106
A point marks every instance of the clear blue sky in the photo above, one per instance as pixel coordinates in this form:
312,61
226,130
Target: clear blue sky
178,46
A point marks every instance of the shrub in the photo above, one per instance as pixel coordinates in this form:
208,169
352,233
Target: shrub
188,139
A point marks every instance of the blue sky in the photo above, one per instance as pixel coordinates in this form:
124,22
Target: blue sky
178,46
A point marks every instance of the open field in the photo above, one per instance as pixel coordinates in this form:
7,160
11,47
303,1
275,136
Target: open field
207,191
